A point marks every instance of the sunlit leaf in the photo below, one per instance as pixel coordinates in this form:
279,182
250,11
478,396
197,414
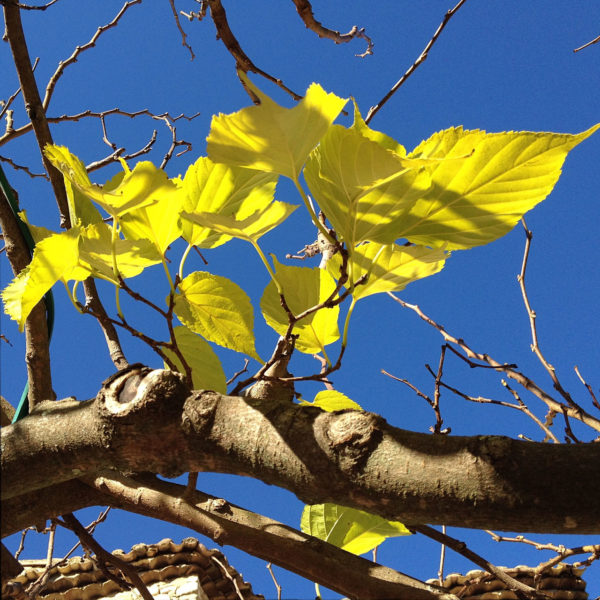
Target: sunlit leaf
476,201
217,309
55,257
249,228
158,223
376,136
303,288
352,530
363,189
144,185
221,189
207,371
391,267
269,137
133,256
331,400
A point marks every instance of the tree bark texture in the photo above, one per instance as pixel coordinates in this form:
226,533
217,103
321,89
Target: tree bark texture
149,421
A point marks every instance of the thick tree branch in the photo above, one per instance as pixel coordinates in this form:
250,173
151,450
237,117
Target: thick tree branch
260,536
150,422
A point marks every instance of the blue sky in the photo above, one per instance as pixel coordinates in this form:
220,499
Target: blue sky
498,66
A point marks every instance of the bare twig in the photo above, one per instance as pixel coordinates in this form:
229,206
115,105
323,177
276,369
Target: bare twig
17,167
79,49
242,60
594,41
244,369
442,558
277,586
6,103
181,31
518,587
588,387
374,109
106,557
305,11
118,153
510,371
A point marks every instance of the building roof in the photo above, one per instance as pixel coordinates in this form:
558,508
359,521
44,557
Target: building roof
81,578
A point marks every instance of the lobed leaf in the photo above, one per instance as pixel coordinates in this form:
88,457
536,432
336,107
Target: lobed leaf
269,137
221,189
331,400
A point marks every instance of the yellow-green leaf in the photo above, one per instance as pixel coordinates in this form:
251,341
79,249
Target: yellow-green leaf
55,257
332,400
269,137
303,288
158,223
95,253
249,228
477,200
352,530
217,309
391,267
143,186
363,189
218,188
380,138
207,371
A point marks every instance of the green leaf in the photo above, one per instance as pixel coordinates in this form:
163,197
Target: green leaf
269,137
331,400
249,228
391,267
95,253
217,309
143,186
55,257
207,371
477,200
363,189
158,223
303,288
352,530
220,189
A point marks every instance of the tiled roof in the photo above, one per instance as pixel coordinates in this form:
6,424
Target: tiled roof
81,579
562,582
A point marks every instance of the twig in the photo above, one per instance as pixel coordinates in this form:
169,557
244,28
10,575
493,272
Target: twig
6,104
79,49
244,369
277,586
15,133
305,11
374,109
442,558
437,428
519,588
588,387
28,6
228,576
535,347
17,167
174,143
522,379
106,557
225,34
181,31
594,41
114,156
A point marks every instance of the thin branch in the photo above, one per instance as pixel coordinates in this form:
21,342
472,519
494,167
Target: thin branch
79,49
594,41
588,387
181,31
535,347
6,104
277,586
522,590
522,379
118,153
15,133
242,60
33,104
106,557
23,6
305,11
374,109
17,167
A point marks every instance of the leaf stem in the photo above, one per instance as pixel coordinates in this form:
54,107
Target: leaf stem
267,265
312,213
182,261
113,248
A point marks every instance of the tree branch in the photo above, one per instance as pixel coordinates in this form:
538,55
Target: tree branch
348,457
